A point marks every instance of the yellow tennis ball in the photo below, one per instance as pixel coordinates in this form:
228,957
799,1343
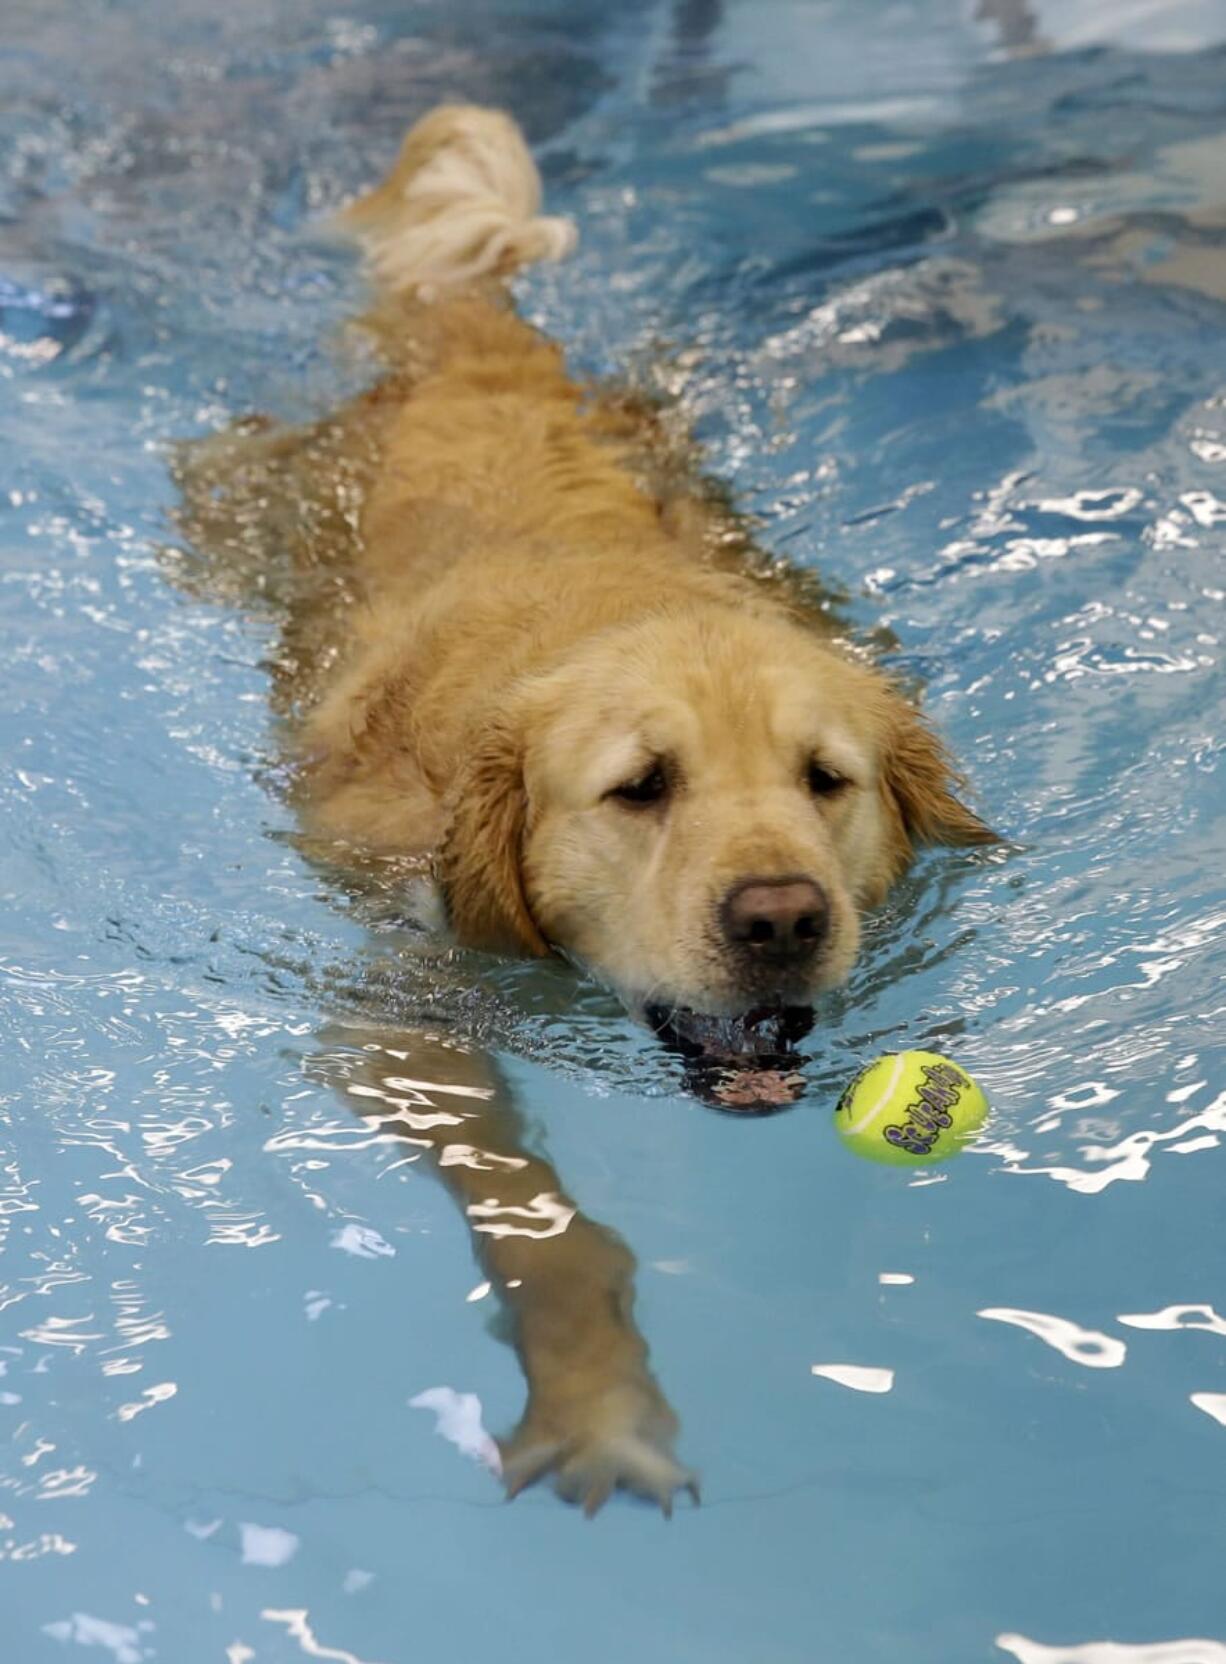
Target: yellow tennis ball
910,1109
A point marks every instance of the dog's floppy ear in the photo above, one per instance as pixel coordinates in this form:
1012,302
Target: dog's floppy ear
919,783
480,861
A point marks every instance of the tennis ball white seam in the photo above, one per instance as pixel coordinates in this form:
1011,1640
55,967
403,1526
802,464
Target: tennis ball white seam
887,1093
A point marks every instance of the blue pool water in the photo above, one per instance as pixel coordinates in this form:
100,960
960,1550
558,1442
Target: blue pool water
943,288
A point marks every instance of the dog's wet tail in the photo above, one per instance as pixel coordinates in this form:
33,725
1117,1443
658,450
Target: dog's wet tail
462,202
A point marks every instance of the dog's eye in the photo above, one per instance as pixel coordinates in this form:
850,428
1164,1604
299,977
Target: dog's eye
823,781
649,788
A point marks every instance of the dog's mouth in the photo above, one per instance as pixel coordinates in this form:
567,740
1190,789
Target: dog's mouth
767,1032
746,1064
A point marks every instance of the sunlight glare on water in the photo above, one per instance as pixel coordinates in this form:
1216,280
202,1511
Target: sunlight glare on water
942,289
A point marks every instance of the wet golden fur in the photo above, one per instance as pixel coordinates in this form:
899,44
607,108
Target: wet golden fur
523,598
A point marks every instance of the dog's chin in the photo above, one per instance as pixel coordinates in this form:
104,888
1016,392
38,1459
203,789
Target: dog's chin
746,1065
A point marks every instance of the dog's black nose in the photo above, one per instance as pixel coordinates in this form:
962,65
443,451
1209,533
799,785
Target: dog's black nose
780,921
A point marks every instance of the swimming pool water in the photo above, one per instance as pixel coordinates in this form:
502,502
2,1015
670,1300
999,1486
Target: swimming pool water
944,291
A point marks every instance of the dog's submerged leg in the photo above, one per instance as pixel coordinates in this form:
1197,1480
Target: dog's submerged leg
596,1420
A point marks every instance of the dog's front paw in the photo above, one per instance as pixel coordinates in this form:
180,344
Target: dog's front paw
618,1438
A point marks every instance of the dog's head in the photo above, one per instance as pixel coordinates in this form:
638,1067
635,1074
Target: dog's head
698,810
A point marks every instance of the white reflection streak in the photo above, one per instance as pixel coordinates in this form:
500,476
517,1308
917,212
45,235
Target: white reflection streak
1176,1317
1130,1158
242,1232
1079,1346
547,1210
1212,1403
42,1447
1204,508
1189,1146
58,1331
150,1397
343,1136
299,1629
456,1089
1091,505
859,1377
394,1166
457,1418
64,1482
482,1161
403,1109
47,1542
1114,1652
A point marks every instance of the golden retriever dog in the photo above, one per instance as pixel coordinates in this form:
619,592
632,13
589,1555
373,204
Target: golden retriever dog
524,640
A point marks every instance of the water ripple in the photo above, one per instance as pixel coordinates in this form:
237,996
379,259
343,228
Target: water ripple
943,301
1115,1652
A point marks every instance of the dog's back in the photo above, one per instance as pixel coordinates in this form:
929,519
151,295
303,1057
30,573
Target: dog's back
479,523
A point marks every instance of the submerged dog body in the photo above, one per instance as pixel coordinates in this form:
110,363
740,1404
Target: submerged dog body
614,738
521,638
